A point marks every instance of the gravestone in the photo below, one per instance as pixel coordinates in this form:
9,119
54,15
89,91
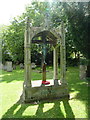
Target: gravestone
21,66
83,69
14,67
33,65
5,66
9,66
1,66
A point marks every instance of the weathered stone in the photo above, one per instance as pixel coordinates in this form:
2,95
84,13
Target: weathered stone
33,65
47,92
21,66
14,67
9,66
5,66
63,55
56,88
82,73
1,66
55,63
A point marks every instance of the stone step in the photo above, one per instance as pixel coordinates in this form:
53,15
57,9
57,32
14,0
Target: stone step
38,83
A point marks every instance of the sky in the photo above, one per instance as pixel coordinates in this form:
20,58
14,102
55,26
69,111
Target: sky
13,8
10,9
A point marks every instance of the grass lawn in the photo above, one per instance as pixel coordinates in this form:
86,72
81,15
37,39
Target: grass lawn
11,84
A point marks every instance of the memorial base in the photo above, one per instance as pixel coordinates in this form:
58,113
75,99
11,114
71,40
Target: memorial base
39,92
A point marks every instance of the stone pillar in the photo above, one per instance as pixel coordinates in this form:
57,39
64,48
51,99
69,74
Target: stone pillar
27,53
63,55
55,63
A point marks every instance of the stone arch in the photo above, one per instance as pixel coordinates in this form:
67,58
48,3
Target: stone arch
51,38
31,93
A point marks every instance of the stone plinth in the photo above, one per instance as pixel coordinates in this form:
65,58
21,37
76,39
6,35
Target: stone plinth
38,92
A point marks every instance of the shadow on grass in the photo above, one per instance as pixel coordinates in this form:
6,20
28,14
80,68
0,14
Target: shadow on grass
74,83
15,75
79,86
54,112
18,75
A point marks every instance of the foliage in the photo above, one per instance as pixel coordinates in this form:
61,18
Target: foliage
13,37
3,46
78,18
83,61
75,17
79,23
14,40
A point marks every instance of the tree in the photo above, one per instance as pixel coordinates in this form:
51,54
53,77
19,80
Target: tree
75,25
3,51
79,19
13,39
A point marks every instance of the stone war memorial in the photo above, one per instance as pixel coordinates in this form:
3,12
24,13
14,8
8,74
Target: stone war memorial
45,89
